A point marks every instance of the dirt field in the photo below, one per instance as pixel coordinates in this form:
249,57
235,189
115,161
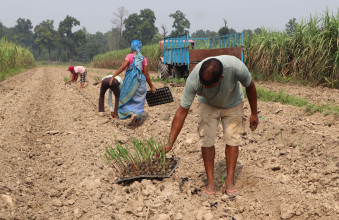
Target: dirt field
52,136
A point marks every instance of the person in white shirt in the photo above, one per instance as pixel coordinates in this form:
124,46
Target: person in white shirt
115,88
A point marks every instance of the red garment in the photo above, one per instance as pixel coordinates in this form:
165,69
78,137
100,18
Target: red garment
71,69
74,76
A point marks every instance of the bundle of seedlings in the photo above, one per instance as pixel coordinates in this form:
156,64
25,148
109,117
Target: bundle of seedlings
145,158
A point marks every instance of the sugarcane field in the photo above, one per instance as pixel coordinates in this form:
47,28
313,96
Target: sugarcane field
143,123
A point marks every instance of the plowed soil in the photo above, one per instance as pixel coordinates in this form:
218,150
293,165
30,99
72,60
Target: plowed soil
52,136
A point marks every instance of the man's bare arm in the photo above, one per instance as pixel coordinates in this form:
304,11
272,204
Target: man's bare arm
251,92
177,124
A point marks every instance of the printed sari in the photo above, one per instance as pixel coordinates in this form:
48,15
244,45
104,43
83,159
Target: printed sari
133,89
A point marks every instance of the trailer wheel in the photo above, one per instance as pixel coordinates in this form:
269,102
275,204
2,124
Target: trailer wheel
163,70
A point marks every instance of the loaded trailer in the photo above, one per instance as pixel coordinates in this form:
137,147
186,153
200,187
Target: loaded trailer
181,53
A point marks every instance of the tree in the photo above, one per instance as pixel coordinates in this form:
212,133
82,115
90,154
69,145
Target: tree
131,27
180,23
140,27
223,31
204,34
45,36
118,22
96,44
164,30
247,32
232,31
157,38
23,33
290,26
257,30
2,30
113,39
147,26
69,40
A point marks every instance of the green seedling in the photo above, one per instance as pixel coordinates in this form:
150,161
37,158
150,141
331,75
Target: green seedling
97,78
300,145
267,136
223,179
145,156
66,79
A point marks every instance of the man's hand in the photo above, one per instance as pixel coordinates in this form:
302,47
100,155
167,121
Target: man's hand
167,148
254,121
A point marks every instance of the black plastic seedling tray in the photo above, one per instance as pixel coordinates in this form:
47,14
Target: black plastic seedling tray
173,166
161,96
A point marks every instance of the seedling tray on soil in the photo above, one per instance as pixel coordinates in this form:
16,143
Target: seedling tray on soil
173,165
161,96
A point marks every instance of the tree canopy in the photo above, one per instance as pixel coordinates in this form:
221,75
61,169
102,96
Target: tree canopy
64,44
290,26
45,36
180,23
23,33
68,39
140,26
204,34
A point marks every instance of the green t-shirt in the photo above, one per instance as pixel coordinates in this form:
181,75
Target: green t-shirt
227,94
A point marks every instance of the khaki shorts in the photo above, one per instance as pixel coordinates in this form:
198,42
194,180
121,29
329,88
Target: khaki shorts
232,120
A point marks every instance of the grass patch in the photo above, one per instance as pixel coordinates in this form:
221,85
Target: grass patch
282,79
97,78
168,80
66,79
62,64
11,72
287,99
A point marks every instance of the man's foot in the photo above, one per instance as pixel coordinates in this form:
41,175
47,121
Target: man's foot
232,192
207,194
209,190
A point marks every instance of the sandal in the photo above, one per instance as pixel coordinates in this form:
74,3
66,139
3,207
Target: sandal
232,193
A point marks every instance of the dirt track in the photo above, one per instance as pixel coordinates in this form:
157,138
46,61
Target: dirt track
51,139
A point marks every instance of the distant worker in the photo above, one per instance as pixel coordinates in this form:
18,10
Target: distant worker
133,90
217,82
75,72
115,88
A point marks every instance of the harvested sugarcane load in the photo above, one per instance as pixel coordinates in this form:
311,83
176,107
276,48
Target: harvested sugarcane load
146,158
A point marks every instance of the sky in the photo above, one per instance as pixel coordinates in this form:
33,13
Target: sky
97,15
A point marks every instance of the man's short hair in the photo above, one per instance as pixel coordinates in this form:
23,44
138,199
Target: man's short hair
215,68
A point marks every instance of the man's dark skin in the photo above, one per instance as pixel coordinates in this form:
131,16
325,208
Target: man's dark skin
208,153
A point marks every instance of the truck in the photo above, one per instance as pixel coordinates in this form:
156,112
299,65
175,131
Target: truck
182,53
